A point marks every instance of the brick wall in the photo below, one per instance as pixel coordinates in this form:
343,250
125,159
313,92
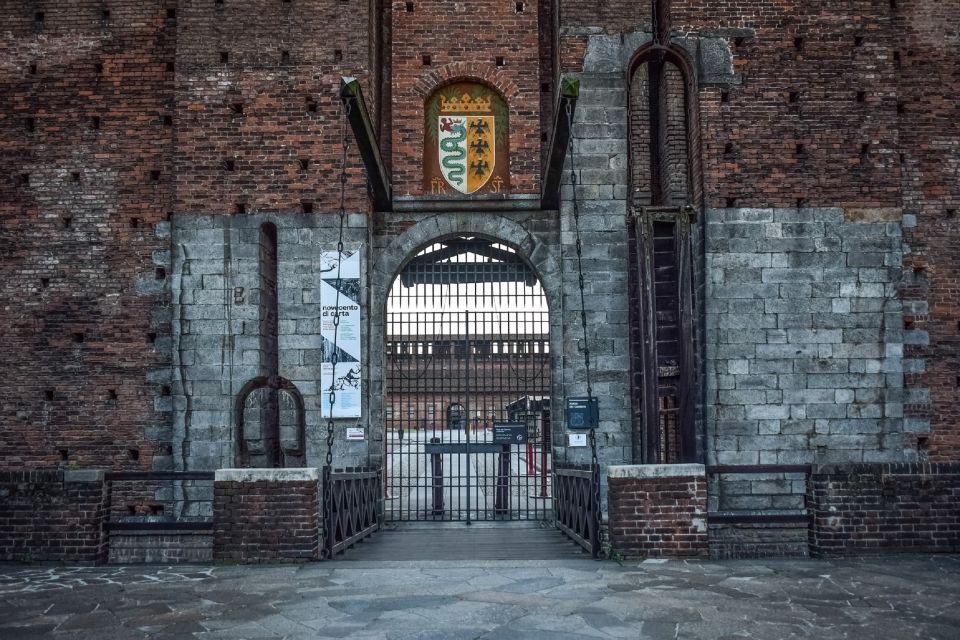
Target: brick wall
464,40
929,134
266,515
658,510
82,222
257,109
885,508
53,516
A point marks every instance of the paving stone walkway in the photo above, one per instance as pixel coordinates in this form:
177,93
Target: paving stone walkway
873,599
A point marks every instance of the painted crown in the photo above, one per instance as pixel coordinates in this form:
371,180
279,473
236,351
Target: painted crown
466,104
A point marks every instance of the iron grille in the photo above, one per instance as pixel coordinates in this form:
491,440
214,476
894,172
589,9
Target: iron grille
467,347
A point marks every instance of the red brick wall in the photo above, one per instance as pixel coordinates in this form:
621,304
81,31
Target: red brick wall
758,117
463,40
928,85
290,105
79,211
653,517
266,521
885,508
49,516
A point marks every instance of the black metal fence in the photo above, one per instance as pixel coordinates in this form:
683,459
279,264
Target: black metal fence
577,511
354,506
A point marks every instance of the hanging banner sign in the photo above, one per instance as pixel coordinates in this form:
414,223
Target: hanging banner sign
347,375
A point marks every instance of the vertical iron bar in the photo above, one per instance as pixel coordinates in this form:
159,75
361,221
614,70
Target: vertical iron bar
466,425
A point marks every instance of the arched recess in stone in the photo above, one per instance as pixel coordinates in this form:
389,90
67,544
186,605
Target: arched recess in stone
292,420
664,132
542,257
666,256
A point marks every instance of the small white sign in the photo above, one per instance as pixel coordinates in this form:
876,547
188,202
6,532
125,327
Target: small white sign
354,433
577,439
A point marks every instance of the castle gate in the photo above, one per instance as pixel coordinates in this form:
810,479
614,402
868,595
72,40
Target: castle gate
467,407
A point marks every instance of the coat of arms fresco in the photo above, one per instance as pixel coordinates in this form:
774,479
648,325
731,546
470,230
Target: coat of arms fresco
466,141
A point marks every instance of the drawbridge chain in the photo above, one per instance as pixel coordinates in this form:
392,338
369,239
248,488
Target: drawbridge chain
326,531
594,462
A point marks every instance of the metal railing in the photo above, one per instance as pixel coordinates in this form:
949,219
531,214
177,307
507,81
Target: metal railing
576,506
354,507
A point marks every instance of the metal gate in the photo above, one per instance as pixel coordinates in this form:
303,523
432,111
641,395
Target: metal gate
468,368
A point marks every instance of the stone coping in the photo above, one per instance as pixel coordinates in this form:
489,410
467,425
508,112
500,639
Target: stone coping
641,471
83,475
308,474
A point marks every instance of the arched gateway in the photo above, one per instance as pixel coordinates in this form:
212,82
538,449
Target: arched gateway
468,386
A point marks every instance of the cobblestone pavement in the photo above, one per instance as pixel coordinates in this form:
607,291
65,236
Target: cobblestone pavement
875,599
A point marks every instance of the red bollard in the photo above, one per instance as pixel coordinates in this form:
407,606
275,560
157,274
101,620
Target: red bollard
531,466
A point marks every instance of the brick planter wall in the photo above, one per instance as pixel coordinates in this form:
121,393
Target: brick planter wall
53,516
658,510
266,515
884,508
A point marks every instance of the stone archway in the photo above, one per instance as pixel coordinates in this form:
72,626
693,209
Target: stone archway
541,257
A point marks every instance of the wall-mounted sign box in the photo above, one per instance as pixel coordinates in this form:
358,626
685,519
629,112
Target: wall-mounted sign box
509,433
583,413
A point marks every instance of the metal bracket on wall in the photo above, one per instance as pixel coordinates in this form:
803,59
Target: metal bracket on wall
362,126
559,141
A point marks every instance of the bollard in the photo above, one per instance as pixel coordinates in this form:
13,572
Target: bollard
501,500
436,464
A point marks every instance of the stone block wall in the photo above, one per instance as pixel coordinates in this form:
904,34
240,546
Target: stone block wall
216,329
173,547
658,510
266,515
885,508
53,516
804,336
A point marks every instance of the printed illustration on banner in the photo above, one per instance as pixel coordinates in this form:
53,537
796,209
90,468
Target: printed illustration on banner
347,375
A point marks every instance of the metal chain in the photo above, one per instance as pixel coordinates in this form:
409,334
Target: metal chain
594,462
335,356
